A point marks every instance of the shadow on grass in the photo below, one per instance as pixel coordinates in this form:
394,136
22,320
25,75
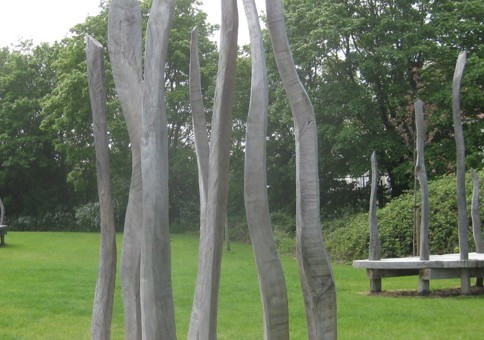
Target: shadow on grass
436,293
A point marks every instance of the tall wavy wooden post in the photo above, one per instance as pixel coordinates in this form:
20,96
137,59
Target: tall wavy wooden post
147,291
157,309
271,276
203,153
210,258
476,219
315,269
125,52
3,228
375,244
424,189
104,295
460,155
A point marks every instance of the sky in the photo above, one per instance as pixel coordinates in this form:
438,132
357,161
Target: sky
50,20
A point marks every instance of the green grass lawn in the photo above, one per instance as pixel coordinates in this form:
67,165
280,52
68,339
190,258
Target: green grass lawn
47,283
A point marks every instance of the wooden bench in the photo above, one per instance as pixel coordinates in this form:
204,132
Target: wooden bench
437,267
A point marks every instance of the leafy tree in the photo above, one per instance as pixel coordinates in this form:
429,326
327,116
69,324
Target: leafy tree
30,168
67,112
365,63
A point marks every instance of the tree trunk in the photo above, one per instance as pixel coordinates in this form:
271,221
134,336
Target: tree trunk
271,276
218,178
124,45
422,178
157,310
203,152
104,295
315,270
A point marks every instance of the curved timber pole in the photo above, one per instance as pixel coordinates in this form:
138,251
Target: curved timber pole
125,52
315,271
271,276
203,152
104,295
157,309
218,177
460,162
424,189
375,244
476,220
422,178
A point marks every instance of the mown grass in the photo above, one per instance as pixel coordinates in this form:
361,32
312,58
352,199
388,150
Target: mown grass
47,282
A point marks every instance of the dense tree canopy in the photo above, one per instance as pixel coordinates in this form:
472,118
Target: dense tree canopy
363,63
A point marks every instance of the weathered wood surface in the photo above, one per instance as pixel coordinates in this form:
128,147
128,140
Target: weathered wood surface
437,267
2,212
104,294
460,156
475,260
218,176
422,179
125,54
460,166
476,220
157,308
203,153
271,276
375,243
315,271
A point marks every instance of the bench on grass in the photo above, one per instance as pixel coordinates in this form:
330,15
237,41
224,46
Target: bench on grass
436,267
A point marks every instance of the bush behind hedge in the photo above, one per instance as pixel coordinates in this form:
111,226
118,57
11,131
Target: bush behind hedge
347,239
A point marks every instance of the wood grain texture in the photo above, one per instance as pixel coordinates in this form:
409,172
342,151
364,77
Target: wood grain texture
271,276
315,271
104,294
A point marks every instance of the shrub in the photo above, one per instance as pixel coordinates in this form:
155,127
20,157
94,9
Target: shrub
348,238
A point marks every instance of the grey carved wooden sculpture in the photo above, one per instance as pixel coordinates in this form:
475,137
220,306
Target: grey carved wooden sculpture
146,263
124,46
424,189
374,250
315,269
203,323
271,277
460,165
104,295
476,220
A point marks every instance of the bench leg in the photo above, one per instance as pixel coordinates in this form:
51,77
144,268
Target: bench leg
2,241
479,282
465,282
375,285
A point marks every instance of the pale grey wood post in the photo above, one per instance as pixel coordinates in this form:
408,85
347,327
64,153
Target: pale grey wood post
424,190
476,219
203,152
157,309
460,164
2,212
272,283
104,294
218,177
3,228
375,244
315,271
125,52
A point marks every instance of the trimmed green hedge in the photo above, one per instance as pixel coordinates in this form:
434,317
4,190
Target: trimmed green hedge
347,238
